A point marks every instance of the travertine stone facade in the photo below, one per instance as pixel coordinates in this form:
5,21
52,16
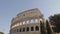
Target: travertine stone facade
27,22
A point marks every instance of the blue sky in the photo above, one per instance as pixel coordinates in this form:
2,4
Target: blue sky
9,9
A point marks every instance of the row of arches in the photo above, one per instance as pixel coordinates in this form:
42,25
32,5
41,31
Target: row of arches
27,22
26,29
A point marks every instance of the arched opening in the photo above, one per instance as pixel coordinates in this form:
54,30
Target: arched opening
23,29
27,22
20,23
27,28
32,21
23,22
37,28
17,30
32,28
20,30
36,20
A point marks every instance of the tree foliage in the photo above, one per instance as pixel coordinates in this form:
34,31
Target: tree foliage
48,27
56,20
42,28
1,33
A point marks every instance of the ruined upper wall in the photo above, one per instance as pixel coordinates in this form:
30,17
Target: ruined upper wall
28,14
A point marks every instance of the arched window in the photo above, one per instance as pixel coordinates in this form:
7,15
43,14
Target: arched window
17,30
36,20
27,28
17,24
20,30
23,22
27,22
20,23
23,29
32,21
32,28
37,28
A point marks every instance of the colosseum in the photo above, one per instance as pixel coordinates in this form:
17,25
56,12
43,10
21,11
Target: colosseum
27,22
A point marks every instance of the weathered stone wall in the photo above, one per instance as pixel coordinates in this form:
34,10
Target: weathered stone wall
25,16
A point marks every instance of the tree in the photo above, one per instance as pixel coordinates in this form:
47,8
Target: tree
48,27
42,28
1,33
56,21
